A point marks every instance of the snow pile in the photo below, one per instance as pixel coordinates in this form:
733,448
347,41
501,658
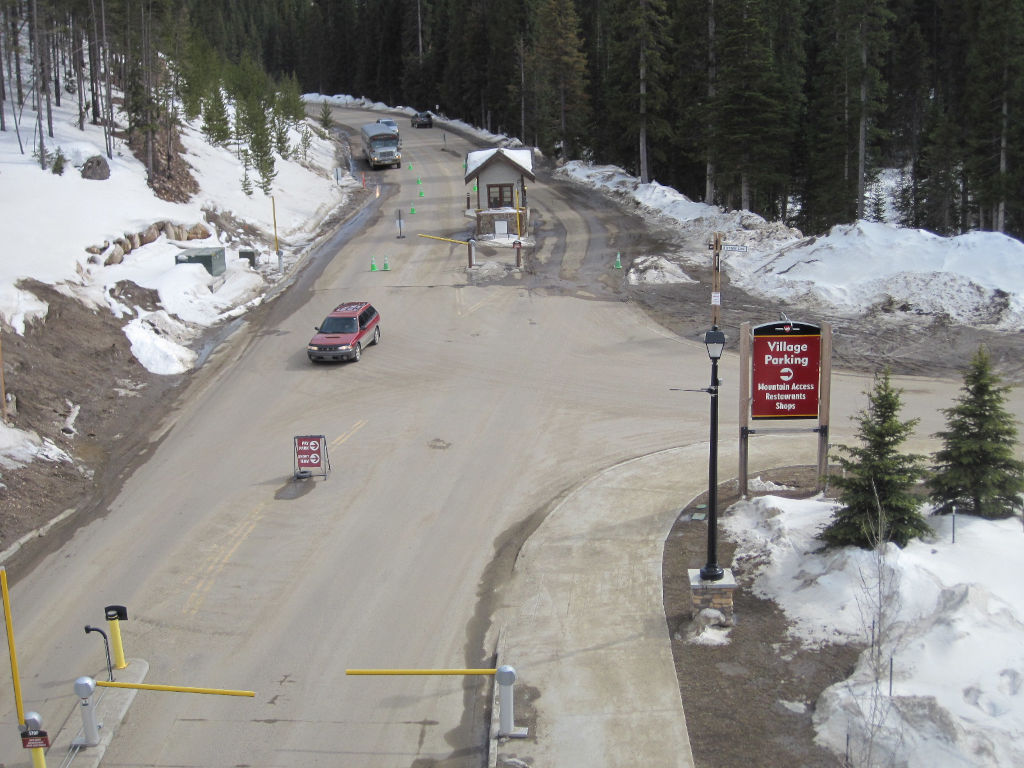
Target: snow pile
48,242
19,447
656,269
973,279
949,619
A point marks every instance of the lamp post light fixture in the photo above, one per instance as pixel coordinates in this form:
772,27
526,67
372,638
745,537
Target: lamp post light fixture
714,340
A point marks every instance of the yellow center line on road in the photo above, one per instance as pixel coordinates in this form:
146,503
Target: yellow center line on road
342,438
222,555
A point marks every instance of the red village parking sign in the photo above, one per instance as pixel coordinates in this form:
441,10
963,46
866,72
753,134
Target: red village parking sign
786,363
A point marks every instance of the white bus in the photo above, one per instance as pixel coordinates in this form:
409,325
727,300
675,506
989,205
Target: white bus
381,145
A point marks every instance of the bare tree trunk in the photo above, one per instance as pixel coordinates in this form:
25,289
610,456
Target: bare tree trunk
419,30
15,32
644,172
108,122
37,68
79,46
522,88
94,67
44,55
563,123
54,50
147,85
11,27
863,124
1000,222
709,173
3,87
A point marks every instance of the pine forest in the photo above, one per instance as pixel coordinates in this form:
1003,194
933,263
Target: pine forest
793,109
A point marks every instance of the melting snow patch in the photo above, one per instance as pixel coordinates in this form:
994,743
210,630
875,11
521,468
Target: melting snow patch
757,484
658,270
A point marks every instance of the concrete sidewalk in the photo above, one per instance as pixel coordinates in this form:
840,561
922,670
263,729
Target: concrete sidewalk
583,622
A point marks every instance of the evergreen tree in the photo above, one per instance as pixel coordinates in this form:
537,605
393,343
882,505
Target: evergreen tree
559,72
995,100
288,102
279,125
216,125
936,181
878,480
253,130
247,187
754,110
976,470
636,82
845,91
199,69
325,117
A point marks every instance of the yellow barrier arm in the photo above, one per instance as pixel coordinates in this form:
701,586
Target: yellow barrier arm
420,671
445,239
175,688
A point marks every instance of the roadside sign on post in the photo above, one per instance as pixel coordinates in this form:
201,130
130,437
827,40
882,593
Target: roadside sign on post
786,361
35,739
311,456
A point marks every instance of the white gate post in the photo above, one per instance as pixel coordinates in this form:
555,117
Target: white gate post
506,676
84,687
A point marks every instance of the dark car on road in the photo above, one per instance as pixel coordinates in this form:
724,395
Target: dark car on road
344,332
422,120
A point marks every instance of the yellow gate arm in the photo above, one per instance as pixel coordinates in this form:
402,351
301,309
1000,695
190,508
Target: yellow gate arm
420,671
446,239
175,688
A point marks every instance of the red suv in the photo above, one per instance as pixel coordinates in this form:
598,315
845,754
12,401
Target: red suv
343,333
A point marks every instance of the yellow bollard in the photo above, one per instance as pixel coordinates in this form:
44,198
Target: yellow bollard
38,757
115,615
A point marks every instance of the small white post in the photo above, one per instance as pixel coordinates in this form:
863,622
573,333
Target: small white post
506,676
84,687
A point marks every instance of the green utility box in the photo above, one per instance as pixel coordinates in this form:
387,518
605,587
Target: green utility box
211,258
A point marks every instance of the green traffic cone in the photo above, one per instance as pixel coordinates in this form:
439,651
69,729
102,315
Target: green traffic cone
419,180
373,264
618,260
412,210
410,166
421,193
386,265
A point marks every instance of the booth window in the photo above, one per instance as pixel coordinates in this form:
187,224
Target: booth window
499,196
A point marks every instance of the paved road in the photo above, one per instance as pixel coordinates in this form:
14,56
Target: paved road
486,404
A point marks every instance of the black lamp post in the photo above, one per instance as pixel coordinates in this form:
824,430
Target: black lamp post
714,340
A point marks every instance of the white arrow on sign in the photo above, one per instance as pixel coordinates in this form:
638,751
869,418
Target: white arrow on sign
786,374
